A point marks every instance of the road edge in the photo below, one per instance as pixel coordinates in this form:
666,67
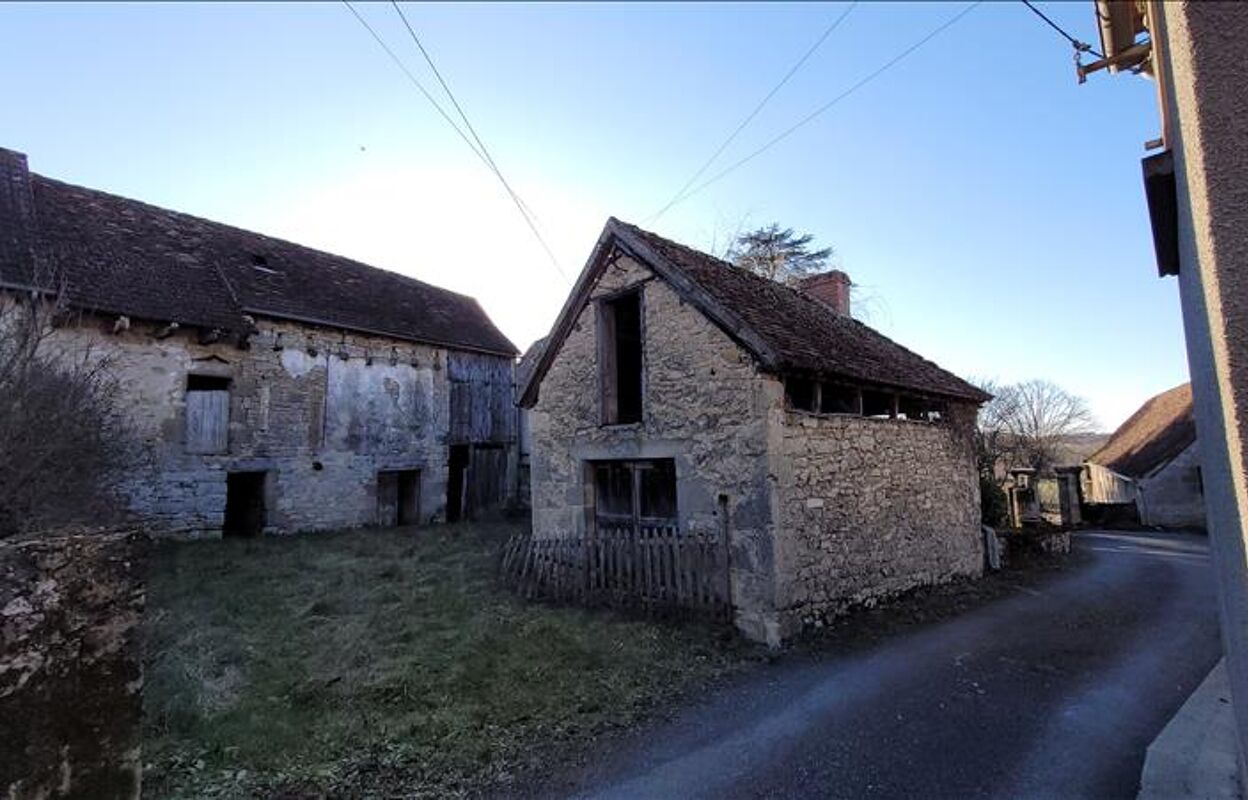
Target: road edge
1196,755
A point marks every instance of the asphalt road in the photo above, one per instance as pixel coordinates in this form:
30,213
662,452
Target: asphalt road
1054,692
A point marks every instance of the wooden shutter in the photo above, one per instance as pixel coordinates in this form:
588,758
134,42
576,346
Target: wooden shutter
608,391
207,421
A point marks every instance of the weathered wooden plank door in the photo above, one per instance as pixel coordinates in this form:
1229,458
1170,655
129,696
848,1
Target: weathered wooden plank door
487,479
207,421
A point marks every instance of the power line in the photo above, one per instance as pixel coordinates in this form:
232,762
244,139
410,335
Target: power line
1082,47
750,117
528,213
412,78
828,105
480,153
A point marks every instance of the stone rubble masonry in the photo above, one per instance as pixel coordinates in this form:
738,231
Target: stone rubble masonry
870,508
705,406
70,667
322,411
824,512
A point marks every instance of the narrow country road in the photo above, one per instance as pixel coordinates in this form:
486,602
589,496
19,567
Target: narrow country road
1051,693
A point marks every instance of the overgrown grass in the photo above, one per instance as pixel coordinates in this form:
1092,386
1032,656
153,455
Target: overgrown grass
383,663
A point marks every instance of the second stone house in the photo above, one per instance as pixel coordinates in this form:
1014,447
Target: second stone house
678,390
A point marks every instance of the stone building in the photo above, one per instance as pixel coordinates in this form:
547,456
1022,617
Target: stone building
674,387
271,387
1152,464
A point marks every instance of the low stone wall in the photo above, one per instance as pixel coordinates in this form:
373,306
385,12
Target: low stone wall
1019,545
70,675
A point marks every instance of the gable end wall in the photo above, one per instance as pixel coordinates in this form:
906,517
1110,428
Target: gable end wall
705,406
1172,497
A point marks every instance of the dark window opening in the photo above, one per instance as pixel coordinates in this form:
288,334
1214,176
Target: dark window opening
635,492
877,404
620,351
838,399
244,504
398,498
923,409
207,383
801,394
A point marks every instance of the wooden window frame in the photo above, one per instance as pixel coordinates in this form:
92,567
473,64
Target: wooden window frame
608,378
635,467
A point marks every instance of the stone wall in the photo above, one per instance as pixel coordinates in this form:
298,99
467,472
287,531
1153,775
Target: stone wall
70,678
1173,497
322,411
705,406
823,512
871,507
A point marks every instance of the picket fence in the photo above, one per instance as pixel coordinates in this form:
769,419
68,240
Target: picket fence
655,569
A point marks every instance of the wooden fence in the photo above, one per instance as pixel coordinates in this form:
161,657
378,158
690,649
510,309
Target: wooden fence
653,568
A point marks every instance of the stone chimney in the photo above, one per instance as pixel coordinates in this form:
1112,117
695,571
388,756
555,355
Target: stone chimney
17,217
830,288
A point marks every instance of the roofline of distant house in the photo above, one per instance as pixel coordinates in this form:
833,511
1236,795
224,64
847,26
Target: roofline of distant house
19,287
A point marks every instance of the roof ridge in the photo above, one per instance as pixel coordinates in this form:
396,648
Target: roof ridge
1148,427
247,232
136,258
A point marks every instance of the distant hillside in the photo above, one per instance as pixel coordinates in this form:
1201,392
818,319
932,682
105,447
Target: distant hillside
1076,447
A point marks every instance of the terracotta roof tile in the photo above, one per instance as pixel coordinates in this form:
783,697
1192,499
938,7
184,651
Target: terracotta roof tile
122,256
804,334
1162,428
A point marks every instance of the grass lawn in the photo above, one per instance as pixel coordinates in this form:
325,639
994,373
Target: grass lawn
384,663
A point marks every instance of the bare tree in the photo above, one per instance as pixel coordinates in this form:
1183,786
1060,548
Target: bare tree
62,439
1025,424
778,254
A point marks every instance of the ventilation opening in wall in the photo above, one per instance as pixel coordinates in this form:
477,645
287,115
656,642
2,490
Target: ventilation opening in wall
398,498
244,504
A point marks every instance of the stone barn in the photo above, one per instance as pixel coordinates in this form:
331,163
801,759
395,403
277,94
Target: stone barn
272,388
677,389
1150,466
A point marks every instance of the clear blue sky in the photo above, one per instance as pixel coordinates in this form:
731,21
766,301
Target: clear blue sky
990,207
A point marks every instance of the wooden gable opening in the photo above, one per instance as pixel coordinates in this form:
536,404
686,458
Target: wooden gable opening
620,347
836,398
878,404
207,414
802,394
